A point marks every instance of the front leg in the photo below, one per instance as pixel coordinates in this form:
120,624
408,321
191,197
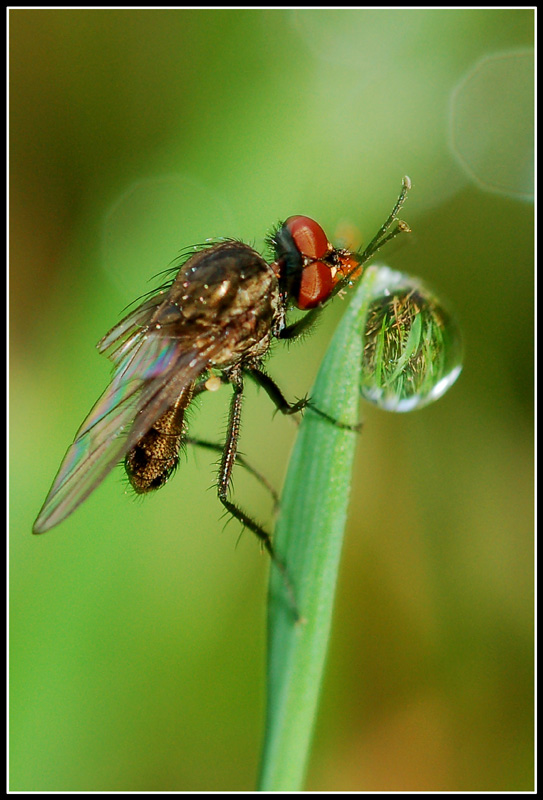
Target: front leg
274,392
281,403
301,326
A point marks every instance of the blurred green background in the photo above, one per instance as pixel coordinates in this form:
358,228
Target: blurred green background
137,629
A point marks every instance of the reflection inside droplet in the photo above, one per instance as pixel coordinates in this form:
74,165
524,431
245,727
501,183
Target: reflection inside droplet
412,343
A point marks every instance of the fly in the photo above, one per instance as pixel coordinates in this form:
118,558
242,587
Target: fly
213,324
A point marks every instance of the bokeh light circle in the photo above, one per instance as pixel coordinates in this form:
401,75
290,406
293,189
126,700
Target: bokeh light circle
492,124
153,220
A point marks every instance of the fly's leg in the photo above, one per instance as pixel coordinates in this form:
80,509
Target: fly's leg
275,394
201,387
301,326
277,397
219,448
227,464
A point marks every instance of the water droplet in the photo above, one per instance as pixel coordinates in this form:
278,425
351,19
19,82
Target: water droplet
412,343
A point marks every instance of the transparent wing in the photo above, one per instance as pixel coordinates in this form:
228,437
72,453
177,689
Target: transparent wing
151,371
133,322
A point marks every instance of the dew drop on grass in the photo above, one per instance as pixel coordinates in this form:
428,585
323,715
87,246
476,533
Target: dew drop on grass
412,344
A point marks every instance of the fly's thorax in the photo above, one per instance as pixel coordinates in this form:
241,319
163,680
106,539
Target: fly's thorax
221,282
228,294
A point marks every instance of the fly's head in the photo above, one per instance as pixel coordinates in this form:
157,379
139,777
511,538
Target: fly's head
308,266
310,270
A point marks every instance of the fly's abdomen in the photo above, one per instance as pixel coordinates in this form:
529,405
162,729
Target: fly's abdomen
151,462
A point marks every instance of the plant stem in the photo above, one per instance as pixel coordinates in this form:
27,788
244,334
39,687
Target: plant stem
308,538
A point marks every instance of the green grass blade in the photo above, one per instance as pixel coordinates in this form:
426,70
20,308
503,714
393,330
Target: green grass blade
308,538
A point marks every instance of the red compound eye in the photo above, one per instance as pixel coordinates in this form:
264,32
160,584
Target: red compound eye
308,236
305,261
316,285
316,281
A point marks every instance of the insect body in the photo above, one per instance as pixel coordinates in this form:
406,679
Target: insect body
214,323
